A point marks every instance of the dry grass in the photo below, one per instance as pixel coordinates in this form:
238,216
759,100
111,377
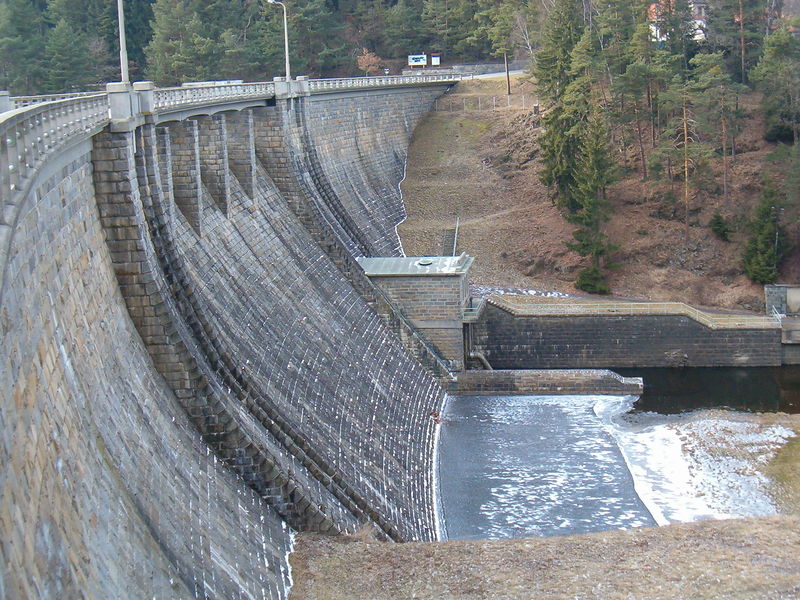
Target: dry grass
482,166
742,559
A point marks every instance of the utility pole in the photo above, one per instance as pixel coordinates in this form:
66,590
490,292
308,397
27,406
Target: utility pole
285,37
123,49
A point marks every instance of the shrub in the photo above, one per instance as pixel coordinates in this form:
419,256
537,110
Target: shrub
720,227
592,280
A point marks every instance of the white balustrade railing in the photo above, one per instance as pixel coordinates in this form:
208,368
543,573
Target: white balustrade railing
177,97
23,101
28,135
365,82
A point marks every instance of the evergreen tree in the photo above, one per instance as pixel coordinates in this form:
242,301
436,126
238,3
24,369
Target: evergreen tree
768,244
67,59
777,75
680,144
718,106
594,173
510,26
736,28
403,36
563,29
22,35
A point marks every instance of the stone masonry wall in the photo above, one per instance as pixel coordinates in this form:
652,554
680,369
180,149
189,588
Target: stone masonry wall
309,346
513,342
373,130
434,305
193,362
108,491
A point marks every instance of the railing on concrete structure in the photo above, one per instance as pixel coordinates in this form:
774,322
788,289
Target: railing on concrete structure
23,101
179,97
28,135
322,85
525,306
35,127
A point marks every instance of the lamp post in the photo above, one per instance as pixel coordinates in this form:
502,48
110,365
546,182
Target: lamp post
285,37
123,50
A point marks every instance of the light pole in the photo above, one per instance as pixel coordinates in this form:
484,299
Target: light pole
285,37
123,50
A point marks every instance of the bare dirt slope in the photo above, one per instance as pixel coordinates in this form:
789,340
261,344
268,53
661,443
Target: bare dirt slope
743,559
480,166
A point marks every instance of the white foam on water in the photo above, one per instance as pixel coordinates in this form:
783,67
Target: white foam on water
694,467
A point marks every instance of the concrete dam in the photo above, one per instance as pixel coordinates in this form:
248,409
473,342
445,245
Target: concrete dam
193,362
211,339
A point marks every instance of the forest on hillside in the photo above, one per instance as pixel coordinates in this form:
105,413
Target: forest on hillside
643,87
656,88
64,45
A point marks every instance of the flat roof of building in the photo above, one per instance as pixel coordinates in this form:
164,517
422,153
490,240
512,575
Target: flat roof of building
416,265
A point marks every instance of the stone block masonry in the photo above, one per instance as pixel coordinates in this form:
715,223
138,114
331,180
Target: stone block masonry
607,341
108,490
192,361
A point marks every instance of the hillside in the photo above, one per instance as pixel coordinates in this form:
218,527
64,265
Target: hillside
480,166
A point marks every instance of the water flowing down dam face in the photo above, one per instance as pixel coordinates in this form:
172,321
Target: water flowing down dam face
526,466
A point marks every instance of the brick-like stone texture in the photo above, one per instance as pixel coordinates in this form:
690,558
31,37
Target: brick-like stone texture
435,306
192,359
600,342
108,491
562,381
373,131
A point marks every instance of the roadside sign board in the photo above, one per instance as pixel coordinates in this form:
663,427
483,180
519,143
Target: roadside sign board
417,60
436,60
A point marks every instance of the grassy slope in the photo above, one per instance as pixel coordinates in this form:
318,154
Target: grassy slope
481,166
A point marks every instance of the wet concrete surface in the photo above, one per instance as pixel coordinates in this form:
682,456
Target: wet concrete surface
528,466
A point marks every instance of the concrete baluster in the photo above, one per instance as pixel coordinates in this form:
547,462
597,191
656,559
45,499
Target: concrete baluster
144,89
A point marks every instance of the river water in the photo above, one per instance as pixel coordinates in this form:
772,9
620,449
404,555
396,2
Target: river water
527,466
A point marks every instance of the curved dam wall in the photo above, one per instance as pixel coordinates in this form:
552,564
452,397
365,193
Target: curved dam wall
192,366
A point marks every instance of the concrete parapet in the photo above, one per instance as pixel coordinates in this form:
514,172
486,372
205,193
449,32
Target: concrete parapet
547,382
564,337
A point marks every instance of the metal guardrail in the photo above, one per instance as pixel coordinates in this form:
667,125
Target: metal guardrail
522,306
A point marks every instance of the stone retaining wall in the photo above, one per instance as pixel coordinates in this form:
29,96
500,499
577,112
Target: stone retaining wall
547,382
598,342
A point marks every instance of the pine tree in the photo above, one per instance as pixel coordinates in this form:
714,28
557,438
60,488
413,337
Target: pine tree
736,28
22,29
778,76
768,244
680,143
67,59
595,172
718,106
403,36
553,67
